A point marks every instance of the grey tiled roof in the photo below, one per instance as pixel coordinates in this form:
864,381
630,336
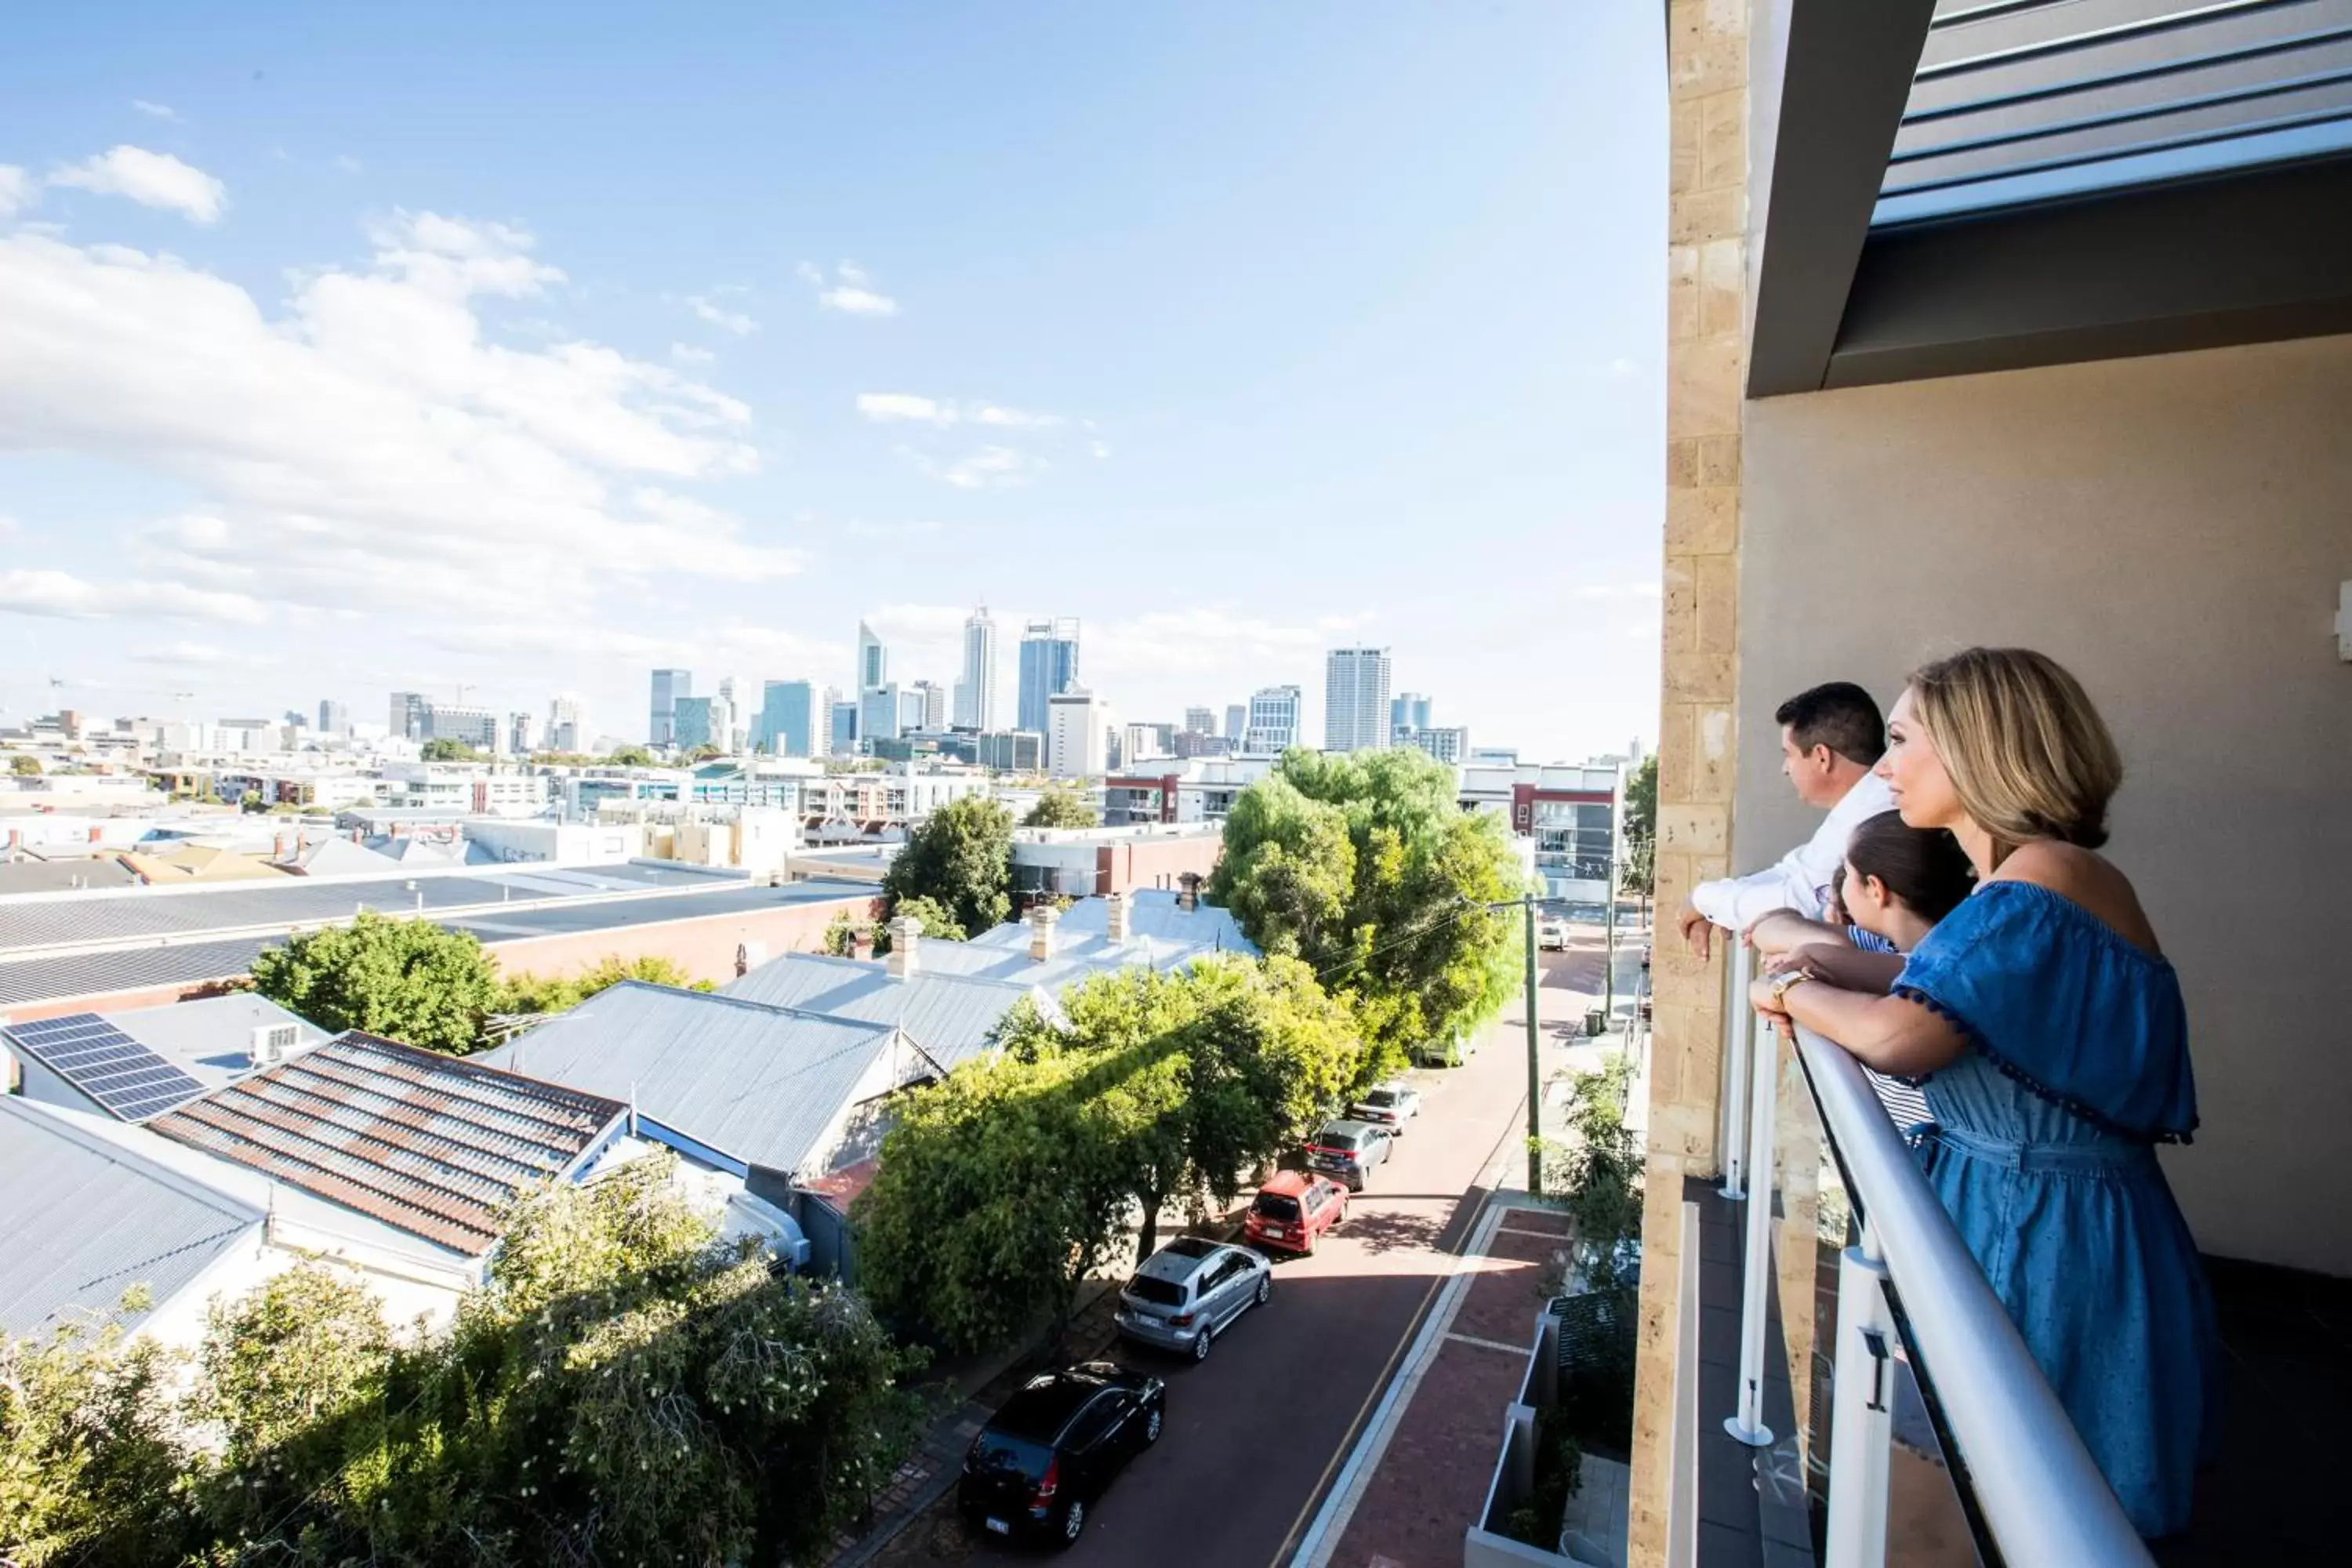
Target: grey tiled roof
86,1220
427,1142
755,1082
949,1015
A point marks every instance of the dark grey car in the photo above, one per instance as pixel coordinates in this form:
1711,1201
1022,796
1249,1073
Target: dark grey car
1349,1150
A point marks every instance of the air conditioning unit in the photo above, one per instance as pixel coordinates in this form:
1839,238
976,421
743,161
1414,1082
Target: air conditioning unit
271,1042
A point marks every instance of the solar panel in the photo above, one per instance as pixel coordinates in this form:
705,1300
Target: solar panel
126,1078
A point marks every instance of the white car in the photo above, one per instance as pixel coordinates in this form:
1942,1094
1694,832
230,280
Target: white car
1552,935
1389,1105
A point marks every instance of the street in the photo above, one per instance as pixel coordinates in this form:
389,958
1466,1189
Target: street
1256,1433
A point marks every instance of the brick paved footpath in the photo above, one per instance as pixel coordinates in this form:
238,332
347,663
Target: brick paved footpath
1430,1480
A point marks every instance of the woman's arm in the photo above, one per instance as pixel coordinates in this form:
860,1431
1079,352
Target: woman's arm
1784,929
1891,1034
1844,965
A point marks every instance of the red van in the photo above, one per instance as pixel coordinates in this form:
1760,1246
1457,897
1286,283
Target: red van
1294,1210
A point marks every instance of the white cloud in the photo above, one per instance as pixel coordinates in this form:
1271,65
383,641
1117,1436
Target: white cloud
1099,448
1207,640
719,316
348,164
368,450
686,353
156,111
17,191
887,406
150,179
991,468
202,656
847,290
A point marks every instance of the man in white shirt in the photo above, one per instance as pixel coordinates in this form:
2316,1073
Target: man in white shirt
1831,737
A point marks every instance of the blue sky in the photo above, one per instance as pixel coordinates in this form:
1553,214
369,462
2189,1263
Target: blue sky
526,347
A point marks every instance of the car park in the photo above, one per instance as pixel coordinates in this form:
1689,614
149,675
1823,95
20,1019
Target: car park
1043,1460
1190,1291
1348,1150
1390,1104
1292,1211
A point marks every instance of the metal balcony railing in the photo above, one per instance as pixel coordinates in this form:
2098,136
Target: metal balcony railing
1804,1125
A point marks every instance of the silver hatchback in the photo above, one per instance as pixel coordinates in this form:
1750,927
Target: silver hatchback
1189,1291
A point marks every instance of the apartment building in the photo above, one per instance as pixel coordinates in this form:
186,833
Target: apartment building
1356,699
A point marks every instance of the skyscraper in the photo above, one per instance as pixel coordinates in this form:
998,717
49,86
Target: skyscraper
1408,711
1356,699
520,732
670,685
787,718
976,693
567,724
877,713
873,660
1236,721
695,721
1200,720
1076,734
1049,666
408,711
1273,726
934,712
845,726
334,718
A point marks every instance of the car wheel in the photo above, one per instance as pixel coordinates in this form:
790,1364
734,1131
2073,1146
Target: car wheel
1200,1345
1151,1424
1074,1523
1266,1282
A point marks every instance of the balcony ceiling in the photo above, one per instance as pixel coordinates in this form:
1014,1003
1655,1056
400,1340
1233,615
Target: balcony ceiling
1961,185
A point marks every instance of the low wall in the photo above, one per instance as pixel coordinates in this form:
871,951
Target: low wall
705,947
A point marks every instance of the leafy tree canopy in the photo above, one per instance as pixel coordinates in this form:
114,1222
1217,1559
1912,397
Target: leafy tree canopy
24,767
1061,807
938,921
1364,866
960,857
448,750
527,993
1642,826
408,980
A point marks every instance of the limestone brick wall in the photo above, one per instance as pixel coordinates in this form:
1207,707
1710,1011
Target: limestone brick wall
1706,263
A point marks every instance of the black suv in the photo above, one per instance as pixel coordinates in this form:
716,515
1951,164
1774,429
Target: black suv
1041,1462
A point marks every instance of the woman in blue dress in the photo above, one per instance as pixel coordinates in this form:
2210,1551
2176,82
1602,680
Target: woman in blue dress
2048,1029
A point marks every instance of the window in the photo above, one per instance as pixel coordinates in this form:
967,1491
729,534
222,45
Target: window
1094,1421
1158,1292
1276,1206
1016,1456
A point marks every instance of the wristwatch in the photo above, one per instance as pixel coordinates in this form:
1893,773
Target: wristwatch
1786,981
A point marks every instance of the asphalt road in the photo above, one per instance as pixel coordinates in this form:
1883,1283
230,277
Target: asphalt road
1255,1432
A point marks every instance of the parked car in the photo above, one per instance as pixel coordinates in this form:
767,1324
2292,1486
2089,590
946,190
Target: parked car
1551,935
1447,1053
1390,1104
1044,1459
1294,1210
1190,1291
1349,1150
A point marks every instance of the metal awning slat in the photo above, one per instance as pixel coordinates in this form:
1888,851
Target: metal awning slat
2123,117
2111,154
2181,66
2076,43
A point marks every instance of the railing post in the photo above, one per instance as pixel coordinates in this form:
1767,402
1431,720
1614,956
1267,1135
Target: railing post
1862,1425
1747,1423
1736,1013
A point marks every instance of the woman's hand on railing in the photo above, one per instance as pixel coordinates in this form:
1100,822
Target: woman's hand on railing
1766,995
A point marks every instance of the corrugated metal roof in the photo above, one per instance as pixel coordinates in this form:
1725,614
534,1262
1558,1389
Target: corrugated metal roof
85,1221
429,1143
949,1015
211,1037
756,1082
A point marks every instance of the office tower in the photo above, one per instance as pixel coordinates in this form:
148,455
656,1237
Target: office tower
408,715
334,718
924,706
692,721
1447,745
670,685
844,728
1236,721
873,660
1355,699
1273,726
567,724
1408,711
877,714
1200,720
787,718
520,734
1049,666
975,706
1076,734
475,727
1010,750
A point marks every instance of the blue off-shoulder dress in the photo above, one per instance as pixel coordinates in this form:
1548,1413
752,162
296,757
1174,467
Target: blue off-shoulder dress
2043,1152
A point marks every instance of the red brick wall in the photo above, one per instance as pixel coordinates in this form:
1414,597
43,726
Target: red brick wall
1156,862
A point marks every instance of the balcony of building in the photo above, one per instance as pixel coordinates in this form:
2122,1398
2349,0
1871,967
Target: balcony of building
2012,322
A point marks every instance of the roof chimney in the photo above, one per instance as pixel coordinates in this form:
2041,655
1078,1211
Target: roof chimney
1042,918
906,934
1188,890
861,944
1114,917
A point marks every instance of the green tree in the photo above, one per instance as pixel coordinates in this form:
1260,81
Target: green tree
408,980
1364,866
1640,832
449,750
841,936
961,857
938,922
631,757
527,993
25,767
1061,807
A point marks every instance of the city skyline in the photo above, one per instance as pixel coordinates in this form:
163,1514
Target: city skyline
549,405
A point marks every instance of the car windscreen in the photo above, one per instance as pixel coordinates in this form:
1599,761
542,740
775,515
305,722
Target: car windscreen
996,1452
1382,1097
1158,1292
1333,1137
1277,1206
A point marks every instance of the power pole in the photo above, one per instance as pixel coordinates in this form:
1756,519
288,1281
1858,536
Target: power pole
1609,960
1535,1070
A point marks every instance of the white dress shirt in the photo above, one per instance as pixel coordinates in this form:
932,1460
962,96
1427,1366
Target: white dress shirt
1800,879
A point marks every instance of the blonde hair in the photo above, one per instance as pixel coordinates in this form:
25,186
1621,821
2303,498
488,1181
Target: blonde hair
2029,756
